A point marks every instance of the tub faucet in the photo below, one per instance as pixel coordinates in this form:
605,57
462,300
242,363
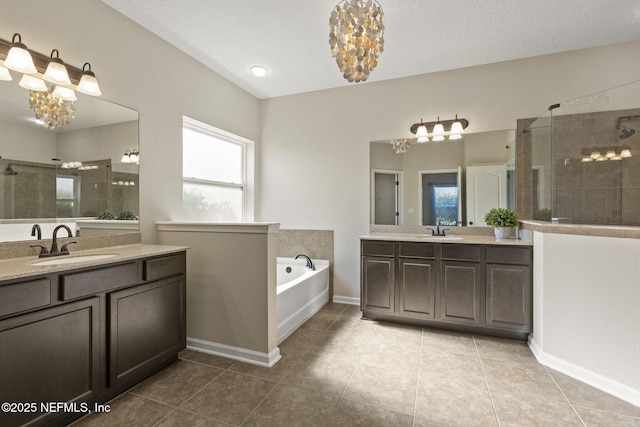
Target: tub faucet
310,265
36,229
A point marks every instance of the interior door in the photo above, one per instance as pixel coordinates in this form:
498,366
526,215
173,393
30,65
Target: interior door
486,189
386,198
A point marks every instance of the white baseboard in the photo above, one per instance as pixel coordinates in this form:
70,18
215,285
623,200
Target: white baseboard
615,388
346,300
235,353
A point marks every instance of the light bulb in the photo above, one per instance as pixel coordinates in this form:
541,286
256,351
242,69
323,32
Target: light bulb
4,73
33,83
88,83
19,58
56,72
64,93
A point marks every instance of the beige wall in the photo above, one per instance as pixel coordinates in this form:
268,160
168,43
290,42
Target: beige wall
137,69
315,146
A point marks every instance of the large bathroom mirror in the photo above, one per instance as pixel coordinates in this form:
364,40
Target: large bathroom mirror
68,174
454,182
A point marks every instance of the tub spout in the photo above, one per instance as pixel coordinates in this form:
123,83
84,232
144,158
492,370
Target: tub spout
310,265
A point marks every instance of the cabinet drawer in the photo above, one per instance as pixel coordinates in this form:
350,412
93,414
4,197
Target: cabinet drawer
378,248
166,266
24,296
101,280
509,255
418,250
462,252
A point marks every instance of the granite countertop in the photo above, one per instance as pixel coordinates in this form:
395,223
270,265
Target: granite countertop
16,268
454,239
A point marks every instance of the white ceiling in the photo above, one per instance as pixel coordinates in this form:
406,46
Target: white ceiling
290,38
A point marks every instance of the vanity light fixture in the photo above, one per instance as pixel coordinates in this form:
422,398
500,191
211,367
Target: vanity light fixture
56,72
33,83
439,129
19,59
4,74
131,156
610,153
88,83
64,93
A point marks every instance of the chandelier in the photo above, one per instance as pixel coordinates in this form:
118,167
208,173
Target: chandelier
53,112
356,37
401,145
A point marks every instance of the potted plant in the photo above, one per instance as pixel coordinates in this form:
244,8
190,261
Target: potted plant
503,220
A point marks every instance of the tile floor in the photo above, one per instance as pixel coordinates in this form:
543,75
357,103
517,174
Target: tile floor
338,370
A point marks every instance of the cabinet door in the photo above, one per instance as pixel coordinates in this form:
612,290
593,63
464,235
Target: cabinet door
147,326
378,276
509,296
49,356
461,292
417,288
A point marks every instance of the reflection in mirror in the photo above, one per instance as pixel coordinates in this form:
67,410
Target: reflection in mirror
64,175
580,162
456,181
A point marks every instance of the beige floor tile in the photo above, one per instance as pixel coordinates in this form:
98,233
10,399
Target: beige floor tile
453,403
352,328
451,367
503,349
298,343
346,349
593,418
333,308
517,411
383,388
352,311
391,356
319,372
179,418
357,414
177,383
210,359
398,334
321,321
274,373
230,398
126,411
521,379
434,340
184,353
290,405
583,395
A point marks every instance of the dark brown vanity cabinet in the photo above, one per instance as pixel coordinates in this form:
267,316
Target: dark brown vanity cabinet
416,280
86,335
378,272
469,287
461,283
508,283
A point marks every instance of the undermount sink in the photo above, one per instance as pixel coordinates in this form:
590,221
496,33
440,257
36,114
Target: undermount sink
429,237
64,259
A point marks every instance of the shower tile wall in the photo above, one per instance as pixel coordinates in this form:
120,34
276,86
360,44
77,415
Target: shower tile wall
28,190
606,192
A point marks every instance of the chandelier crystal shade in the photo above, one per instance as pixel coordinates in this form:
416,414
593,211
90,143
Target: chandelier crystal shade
51,110
357,37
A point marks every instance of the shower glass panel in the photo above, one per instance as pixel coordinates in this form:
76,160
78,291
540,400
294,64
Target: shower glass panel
585,160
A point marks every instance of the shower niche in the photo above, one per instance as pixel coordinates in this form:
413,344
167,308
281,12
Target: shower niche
581,161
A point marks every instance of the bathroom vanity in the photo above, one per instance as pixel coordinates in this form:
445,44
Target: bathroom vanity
474,284
85,328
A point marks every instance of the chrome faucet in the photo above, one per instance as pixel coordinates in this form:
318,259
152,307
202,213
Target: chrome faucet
54,244
310,265
437,231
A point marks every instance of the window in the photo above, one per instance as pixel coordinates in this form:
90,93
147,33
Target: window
66,196
214,170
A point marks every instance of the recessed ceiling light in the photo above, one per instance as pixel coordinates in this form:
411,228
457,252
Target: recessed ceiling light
258,70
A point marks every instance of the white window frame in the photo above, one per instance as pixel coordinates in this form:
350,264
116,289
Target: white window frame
248,162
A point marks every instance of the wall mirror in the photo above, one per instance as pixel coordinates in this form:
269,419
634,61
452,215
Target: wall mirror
581,162
455,181
71,173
